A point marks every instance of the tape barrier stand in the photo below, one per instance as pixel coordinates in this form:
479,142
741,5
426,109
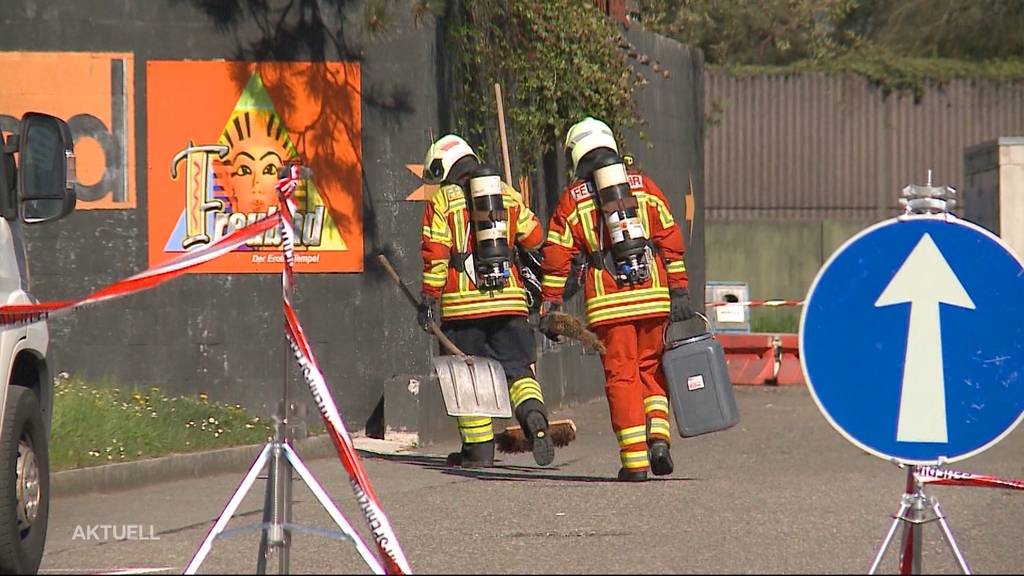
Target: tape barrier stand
383,535
757,303
947,477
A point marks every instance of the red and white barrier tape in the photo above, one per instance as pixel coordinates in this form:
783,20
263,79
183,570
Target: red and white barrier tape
947,477
383,535
757,303
22,314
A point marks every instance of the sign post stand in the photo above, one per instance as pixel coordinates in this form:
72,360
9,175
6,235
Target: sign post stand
916,510
931,301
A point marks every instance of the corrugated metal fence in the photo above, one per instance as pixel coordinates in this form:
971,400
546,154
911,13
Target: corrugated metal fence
833,146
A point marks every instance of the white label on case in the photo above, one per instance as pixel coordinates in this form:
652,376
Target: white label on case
695,382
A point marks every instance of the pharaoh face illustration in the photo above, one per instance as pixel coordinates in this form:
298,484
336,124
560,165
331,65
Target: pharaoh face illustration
259,146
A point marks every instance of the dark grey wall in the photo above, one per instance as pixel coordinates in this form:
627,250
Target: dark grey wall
221,334
673,109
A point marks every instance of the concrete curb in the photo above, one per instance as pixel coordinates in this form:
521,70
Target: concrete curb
128,475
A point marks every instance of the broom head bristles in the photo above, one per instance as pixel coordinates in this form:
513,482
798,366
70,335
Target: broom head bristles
513,440
570,326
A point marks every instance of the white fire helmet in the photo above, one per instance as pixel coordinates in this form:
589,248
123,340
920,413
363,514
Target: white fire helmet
586,135
442,155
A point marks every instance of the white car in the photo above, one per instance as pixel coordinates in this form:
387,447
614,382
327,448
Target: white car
37,172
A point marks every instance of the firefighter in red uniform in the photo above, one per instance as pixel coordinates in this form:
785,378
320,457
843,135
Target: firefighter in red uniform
635,281
471,226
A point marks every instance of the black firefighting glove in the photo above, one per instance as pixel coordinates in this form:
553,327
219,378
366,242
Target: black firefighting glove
681,310
427,314
546,309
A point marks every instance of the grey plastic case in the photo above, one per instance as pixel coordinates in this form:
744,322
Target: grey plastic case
699,388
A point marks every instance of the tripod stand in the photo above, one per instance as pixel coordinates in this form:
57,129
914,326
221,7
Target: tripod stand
277,525
916,510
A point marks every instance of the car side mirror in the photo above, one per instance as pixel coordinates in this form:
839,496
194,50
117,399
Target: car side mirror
46,175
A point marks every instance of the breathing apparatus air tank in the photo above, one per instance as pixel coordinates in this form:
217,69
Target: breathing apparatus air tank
629,244
492,255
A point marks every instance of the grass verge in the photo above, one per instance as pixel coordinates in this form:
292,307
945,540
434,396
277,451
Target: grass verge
780,320
102,424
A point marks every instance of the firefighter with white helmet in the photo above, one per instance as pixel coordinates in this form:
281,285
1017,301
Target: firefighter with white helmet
471,225
619,221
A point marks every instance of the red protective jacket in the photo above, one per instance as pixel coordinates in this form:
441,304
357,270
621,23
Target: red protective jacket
574,229
447,230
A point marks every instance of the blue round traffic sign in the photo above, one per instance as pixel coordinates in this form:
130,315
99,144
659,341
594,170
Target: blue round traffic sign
912,339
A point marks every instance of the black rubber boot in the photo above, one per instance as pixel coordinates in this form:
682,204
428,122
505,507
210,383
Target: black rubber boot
476,455
632,475
532,418
660,457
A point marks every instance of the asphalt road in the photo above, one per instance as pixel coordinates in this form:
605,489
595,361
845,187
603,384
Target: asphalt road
779,493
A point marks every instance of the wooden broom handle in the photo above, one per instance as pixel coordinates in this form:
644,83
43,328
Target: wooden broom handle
445,341
504,136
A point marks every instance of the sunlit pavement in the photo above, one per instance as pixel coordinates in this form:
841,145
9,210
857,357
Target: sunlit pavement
780,492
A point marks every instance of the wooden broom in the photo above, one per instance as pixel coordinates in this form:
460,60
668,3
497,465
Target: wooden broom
513,440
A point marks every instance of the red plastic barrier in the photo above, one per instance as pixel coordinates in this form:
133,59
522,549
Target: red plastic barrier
790,372
750,358
759,359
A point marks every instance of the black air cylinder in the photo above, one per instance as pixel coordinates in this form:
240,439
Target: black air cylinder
620,209
490,228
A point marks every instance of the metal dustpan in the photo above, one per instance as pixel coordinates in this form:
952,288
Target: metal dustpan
473,386
470,385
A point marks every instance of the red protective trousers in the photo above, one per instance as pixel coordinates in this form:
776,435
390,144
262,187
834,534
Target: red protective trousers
635,386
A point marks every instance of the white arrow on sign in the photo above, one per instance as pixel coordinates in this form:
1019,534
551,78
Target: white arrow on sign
925,280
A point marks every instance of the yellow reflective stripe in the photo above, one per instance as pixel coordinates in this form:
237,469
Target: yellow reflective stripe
587,223
655,275
523,390
632,435
637,307
477,296
440,236
631,295
461,245
642,213
523,229
524,215
484,306
661,427
664,214
634,460
676,267
652,403
474,421
485,435
448,312
628,311
437,276
474,429
598,285
461,240
564,239
552,281
652,305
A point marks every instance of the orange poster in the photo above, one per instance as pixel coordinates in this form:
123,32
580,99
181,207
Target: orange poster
94,93
218,132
